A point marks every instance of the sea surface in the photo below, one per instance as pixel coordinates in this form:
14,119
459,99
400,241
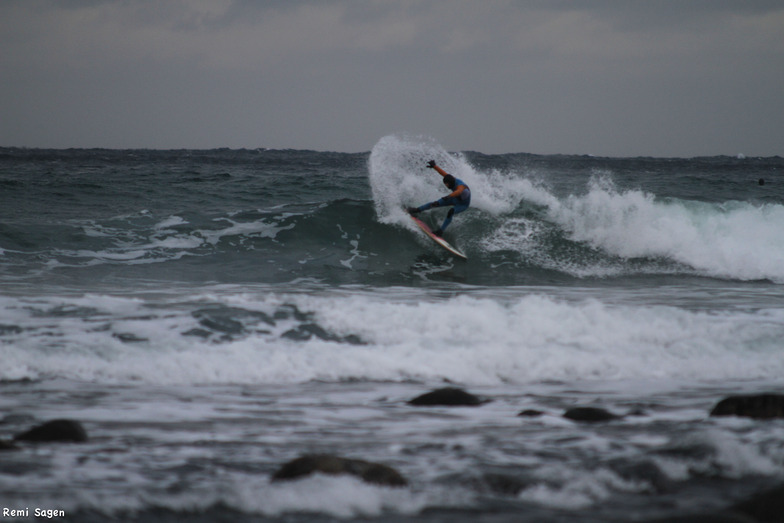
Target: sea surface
209,315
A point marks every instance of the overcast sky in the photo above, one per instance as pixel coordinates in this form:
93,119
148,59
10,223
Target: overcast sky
615,78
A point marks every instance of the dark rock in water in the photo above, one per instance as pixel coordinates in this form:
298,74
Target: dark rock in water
590,414
705,518
643,472
760,406
489,483
128,337
10,329
7,445
375,473
530,413
766,507
64,430
504,484
448,396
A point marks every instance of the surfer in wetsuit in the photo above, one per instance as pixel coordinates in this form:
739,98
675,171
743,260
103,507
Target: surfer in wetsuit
459,198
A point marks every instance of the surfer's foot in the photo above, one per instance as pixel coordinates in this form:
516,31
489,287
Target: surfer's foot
413,210
438,232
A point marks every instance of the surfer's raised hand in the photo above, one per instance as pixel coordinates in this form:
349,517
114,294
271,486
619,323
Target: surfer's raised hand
431,164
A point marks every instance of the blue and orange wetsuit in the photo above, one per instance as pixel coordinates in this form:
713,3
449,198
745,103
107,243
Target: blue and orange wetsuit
459,198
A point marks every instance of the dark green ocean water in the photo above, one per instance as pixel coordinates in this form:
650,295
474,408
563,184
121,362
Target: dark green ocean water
209,315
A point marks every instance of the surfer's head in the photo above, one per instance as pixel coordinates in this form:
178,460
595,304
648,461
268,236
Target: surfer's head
449,181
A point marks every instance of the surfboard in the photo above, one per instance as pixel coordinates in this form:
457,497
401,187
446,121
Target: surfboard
440,241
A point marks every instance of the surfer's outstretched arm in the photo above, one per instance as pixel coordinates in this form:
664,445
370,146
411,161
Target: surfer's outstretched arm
439,170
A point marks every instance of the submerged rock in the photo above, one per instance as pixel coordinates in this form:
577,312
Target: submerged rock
59,430
760,406
530,413
448,396
368,472
767,506
644,472
710,517
504,484
7,445
589,414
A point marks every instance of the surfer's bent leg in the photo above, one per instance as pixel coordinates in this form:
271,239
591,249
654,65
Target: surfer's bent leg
441,202
458,208
428,206
448,219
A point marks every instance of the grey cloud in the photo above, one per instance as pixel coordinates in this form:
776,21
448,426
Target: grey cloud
616,78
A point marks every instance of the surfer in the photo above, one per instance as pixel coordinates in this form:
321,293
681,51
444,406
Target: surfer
459,198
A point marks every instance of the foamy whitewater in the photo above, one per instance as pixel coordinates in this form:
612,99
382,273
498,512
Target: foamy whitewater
210,315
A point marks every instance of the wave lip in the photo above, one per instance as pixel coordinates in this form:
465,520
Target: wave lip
733,240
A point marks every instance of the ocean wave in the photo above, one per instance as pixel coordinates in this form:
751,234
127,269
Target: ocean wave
327,216
601,234
597,230
297,337
734,240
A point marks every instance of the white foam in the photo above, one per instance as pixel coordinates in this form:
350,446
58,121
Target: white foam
171,221
355,252
165,244
341,497
399,179
94,230
338,496
261,228
733,240
464,339
737,458
574,489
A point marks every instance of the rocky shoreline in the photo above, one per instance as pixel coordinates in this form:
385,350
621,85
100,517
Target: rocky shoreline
764,507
